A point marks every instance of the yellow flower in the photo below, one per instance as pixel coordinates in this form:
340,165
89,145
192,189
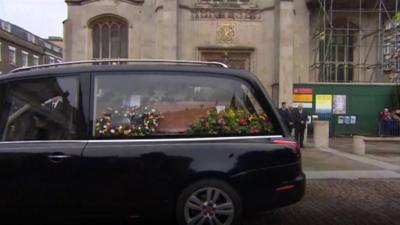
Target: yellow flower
252,118
231,113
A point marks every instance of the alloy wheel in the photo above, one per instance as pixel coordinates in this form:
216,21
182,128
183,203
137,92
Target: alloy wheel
209,206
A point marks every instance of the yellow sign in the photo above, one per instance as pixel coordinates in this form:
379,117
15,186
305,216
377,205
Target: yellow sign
323,103
302,98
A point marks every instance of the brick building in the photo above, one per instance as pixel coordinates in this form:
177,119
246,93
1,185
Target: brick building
19,47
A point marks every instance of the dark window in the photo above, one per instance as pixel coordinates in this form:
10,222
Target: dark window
115,41
105,42
163,105
336,57
109,38
96,42
43,109
124,41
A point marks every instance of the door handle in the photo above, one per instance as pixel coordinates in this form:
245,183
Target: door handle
57,158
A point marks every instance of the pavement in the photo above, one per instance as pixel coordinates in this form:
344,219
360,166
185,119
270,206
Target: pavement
390,153
338,162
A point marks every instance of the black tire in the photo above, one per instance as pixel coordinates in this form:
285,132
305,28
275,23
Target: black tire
216,185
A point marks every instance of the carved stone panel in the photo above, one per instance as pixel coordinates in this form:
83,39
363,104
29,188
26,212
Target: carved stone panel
226,33
226,13
80,2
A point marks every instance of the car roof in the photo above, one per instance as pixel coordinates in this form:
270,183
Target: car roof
39,72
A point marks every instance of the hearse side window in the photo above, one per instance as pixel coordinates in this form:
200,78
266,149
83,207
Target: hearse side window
43,109
163,105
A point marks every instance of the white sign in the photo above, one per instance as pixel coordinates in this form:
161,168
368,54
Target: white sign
305,105
134,101
353,120
220,108
339,104
341,120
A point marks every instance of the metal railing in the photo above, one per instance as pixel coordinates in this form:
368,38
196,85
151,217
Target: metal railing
122,61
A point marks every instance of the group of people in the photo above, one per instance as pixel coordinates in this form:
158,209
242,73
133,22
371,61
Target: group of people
295,119
389,122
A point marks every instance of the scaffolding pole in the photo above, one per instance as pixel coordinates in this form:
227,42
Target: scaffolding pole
334,58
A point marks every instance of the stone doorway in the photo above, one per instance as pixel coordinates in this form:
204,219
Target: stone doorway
236,59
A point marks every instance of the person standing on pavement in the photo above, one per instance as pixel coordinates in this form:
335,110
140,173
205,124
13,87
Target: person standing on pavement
286,115
291,110
300,122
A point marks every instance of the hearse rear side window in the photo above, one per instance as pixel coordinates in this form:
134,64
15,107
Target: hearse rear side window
133,105
43,109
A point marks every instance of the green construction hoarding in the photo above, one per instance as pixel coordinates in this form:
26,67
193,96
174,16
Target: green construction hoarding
351,108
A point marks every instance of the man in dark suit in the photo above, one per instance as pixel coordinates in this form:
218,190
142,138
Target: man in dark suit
286,115
300,122
54,120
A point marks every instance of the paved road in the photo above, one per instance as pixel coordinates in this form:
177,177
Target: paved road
341,202
335,202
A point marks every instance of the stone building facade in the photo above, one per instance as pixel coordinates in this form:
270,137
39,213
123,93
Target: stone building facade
267,37
278,40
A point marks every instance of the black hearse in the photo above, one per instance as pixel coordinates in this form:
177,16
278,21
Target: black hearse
194,141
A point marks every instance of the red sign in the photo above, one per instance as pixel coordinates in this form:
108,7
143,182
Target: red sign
302,90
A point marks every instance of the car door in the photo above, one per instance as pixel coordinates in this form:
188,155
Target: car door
118,175
133,177
40,152
40,176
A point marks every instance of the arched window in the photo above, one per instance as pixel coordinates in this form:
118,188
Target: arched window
109,38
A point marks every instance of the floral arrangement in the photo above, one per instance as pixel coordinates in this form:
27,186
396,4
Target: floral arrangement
232,121
127,121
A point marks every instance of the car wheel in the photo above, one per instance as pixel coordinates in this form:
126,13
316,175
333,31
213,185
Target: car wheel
209,202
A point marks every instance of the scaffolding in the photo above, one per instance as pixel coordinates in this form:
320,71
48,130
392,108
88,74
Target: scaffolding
355,41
